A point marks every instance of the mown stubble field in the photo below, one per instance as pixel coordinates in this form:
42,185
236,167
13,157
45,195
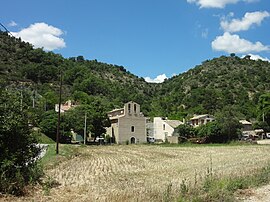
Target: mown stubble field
144,172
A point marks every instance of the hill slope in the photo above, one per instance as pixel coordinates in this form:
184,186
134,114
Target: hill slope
21,66
222,82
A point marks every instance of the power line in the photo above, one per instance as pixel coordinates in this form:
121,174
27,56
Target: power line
6,29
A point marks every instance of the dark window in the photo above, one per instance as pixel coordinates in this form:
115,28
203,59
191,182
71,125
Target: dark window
128,108
135,108
163,126
132,128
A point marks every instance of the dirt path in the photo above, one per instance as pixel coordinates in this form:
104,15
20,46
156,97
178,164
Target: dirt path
261,194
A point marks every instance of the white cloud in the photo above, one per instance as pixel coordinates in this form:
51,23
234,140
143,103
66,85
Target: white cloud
205,33
245,23
234,44
12,24
158,79
42,35
216,3
256,57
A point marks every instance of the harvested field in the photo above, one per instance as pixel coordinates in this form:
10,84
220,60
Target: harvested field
144,172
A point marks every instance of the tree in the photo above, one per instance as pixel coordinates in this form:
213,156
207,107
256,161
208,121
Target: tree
212,132
229,124
18,166
232,54
80,58
186,131
97,118
48,124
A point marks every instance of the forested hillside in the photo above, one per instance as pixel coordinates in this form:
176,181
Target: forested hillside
229,83
225,82
35,70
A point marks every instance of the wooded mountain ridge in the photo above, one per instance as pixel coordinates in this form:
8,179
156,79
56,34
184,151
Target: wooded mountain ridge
225,82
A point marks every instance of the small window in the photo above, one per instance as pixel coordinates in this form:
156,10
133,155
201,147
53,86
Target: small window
164,126
132,129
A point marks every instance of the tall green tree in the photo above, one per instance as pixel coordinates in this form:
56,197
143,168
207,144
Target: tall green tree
96,115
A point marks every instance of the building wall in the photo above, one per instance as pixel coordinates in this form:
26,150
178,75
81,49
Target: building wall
173,139
162,129
247,127
113,131
122,124
125,129
202,120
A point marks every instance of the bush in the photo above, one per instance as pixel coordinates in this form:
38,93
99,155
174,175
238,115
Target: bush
18,166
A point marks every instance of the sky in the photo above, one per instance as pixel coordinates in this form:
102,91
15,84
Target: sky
153,39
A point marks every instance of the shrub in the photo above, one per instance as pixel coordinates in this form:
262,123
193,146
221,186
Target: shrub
18,166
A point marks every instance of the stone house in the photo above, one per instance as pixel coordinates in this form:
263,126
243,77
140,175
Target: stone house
164,128
127,124
199,120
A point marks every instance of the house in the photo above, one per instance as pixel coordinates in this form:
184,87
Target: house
199,120
128,124
65,107
246,125
150,130
164,128
249,133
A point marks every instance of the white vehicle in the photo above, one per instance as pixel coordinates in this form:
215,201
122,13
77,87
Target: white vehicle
100,139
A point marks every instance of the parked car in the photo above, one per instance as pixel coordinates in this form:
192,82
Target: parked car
267,135
150,139
100,140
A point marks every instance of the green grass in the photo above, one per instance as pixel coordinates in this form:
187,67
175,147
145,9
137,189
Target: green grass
214,188
189,144
42,138
66,152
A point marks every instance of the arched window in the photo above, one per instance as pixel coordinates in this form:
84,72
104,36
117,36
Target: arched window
132,129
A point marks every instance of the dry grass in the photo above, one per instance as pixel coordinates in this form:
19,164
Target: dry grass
143,173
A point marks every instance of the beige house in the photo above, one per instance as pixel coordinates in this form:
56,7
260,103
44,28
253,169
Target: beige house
246,125
127,124
164,128
201,120
249,133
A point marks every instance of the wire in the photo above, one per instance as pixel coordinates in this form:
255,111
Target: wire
6,29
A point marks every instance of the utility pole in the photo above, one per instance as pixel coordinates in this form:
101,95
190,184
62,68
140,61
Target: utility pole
59,111
21,100
33,101
84,138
